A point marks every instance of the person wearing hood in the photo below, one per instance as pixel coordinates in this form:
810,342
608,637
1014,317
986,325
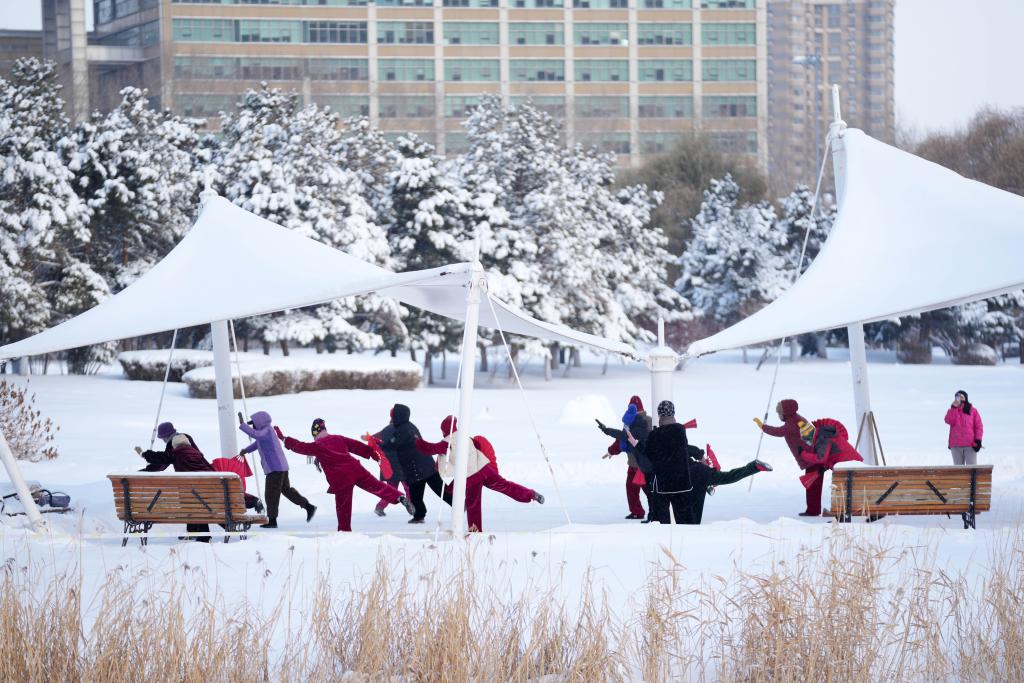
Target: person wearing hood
666,447
790,431
418,468
481,471
181,454
390,467
333,454
638,423
965,430
275,467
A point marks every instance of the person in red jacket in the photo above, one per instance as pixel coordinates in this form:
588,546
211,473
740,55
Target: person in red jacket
790,430
481,471
333,454
965,430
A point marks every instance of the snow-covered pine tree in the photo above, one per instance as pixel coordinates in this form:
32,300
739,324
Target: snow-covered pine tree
43,224
729,259
279,161
136,169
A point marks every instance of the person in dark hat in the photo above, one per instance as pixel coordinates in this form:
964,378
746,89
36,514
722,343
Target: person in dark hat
638,422
418,468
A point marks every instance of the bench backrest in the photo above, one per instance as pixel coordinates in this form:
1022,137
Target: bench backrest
912,490
186,497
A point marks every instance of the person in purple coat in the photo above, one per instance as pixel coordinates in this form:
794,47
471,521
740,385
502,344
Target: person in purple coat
261,430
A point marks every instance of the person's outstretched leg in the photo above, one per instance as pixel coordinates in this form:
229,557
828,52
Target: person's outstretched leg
636,510
292,494
436,484
495,482
369,483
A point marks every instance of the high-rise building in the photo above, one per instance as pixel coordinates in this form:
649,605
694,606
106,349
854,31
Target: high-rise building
813,44
16,44
626,75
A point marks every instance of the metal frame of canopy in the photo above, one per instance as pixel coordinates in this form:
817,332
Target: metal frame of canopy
661,361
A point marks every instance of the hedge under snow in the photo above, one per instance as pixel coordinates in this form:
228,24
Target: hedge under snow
150,365
273,376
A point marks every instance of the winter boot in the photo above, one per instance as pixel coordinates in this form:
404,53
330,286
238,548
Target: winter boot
633,515
271,524
258,507
310,511
539,498
379,512
407,504
417,521
762,466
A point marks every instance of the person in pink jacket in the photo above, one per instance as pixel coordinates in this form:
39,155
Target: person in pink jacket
965,430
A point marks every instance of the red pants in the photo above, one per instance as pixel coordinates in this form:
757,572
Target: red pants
489,477
358,476
383,503
633,493
814,494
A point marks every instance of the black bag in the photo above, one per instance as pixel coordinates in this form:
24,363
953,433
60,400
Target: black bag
823,442
54,499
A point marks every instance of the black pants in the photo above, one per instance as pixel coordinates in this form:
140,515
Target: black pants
688,508
418,488
277,484
655,504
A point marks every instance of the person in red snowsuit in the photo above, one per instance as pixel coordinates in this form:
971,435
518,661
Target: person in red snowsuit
333,454
481,472
790,430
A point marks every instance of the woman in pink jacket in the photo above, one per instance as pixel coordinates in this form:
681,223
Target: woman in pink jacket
965,430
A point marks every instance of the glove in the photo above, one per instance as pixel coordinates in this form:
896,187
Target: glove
601,426
758,422
977,445
608,456
241,420
138,450
277,430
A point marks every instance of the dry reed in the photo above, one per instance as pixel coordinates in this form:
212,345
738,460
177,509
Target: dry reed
848,611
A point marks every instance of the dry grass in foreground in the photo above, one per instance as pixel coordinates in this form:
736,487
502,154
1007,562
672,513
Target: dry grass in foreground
845,612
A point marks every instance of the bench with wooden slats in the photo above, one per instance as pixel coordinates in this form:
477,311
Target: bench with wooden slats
143,499
874,492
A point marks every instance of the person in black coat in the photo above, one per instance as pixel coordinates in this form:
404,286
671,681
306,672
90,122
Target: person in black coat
397,478
666,449
182,455
703,476
419,469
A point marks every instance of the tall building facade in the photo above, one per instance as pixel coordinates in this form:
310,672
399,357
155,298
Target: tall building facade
16,44
626,75
813,44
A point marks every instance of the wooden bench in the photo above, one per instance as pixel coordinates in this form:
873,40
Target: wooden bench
143,499
934,490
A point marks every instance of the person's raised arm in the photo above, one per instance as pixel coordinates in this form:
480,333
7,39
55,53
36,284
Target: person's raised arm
359,448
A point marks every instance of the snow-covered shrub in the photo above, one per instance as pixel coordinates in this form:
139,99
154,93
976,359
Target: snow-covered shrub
976,354
29,435
88,360
149,366
292,375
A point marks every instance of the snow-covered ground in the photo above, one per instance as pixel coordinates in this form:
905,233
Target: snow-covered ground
745,527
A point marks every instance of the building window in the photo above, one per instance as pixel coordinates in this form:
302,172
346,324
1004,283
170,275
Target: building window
609,142
204,30
666,70
602,107
204,105
270,68
664,34
107,11
734,141
665,107
460,106
339,69
344,105
480,70
727,4
406,106
729,106
552,105
456,143
336,31
271,31
406,32
729,34
537,69
600,4
470,33
658,143
729,69
601,34
535,4
402,3
146,35
536,33
666,4
470,3
406,69
205,67
602,70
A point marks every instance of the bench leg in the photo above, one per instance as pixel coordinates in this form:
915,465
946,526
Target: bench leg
135,528
969,519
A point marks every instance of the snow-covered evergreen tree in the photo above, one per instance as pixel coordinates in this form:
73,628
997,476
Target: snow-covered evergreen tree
731,261
43,224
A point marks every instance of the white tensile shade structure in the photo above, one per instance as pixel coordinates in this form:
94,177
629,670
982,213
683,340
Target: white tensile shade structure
911,236
234,264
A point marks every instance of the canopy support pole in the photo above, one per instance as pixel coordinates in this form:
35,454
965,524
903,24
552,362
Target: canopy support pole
662,362
24,495
225,391
858,352
477,282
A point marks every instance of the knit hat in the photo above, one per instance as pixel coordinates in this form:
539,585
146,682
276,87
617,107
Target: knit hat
318,426
449,425
635,401
179,441
666,409
165,430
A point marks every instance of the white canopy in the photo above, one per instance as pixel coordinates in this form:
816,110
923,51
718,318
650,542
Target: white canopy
911,236
233,264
